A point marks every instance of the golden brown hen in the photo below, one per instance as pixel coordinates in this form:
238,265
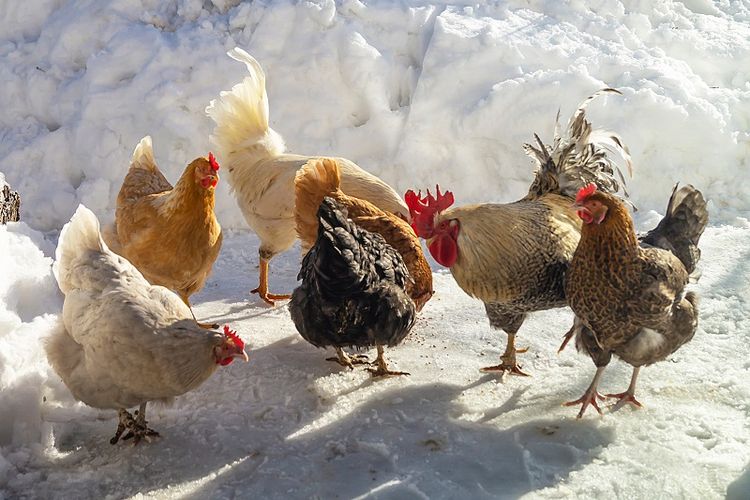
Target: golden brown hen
170,234
321,178
628,295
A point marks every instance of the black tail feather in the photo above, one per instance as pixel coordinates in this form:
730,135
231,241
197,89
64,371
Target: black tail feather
682,226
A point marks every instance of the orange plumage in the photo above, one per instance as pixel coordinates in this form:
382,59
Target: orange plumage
170,234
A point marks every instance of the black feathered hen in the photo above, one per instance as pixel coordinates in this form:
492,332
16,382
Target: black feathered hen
353,290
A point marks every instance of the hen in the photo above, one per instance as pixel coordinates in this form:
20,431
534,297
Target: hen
353,290
169,233
262,175
124,342
321,178
513,256
628,295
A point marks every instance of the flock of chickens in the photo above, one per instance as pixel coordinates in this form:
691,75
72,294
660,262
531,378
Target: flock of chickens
364,278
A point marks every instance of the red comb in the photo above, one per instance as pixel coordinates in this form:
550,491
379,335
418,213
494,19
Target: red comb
213,162
232,335
423,210
585,192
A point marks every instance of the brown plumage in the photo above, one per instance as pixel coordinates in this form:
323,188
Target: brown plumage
321,178
513,256
170,234
628,295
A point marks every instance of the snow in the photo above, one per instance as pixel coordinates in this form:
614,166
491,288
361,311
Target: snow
418,92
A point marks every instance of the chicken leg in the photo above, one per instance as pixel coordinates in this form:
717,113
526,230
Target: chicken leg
382,368
207,326
348,360
629,395
508,360
262,289
590,396
136,427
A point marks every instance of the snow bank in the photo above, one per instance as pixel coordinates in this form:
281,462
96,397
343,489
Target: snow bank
28,293
418,92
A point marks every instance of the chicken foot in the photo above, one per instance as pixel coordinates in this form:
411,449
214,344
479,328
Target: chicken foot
137,428
590,396
262,289
508,362
629,395
349,360
207,326
382,368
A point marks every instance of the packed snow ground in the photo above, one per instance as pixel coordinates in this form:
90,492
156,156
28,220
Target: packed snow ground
418,92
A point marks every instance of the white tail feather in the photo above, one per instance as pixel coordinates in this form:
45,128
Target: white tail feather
241,114
77,237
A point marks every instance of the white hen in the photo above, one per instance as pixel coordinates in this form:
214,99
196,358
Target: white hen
262,176
124,342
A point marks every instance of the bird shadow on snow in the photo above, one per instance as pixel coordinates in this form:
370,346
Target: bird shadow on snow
289,425
739,489
405,441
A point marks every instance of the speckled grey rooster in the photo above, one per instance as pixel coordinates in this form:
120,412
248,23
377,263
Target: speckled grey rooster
353,290
628,294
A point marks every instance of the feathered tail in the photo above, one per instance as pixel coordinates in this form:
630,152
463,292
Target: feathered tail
241,114
77,237
682,226
143,156
580,158
313,182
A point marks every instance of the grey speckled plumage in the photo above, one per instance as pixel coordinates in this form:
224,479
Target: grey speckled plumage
353,290
580,158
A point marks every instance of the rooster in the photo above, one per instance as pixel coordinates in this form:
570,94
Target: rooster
169,233
123,342
628,295
262,175
353,290
321,178
513,256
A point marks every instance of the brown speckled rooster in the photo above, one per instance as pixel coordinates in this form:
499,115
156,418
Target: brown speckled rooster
513,256
628,295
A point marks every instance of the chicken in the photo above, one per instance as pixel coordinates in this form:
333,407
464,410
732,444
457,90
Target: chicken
123,342
169,233
262,175
628,295
513,256
321,178
353,290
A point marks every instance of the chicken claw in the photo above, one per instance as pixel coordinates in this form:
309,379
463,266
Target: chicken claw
624,398
508,364
349,360
589,398
262,288
137,428
382,368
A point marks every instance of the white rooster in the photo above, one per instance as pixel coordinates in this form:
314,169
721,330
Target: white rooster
124,342
262,175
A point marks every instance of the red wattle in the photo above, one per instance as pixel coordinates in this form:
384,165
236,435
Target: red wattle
444,249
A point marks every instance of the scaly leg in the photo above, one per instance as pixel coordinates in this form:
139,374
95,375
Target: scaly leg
629,395
137,427
207,326
348,360
590,396
262,289
508,359
382,369
126,420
